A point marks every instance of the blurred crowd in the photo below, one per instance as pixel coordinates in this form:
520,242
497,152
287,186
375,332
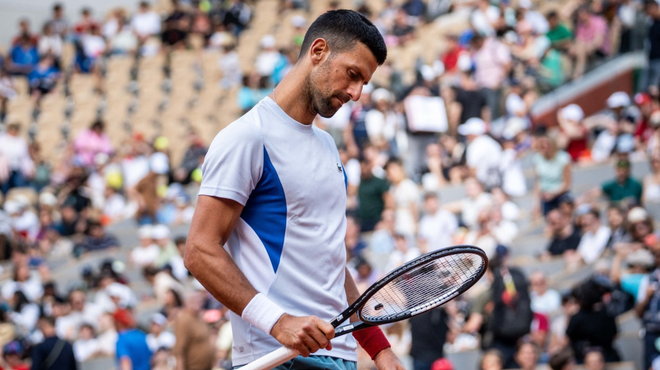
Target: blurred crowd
463,122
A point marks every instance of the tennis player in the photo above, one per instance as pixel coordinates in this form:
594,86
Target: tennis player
274,195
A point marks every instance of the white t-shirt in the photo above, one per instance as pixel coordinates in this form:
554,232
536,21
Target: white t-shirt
481,21
289,239
164,340
592,244
146,24
546,304
405,195
266,62
134,169
145,256
483,154
84,349
470,208
438,229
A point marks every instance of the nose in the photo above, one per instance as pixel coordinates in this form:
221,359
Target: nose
355,91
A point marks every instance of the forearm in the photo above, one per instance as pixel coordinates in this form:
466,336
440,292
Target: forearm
125,364
352,292
212,266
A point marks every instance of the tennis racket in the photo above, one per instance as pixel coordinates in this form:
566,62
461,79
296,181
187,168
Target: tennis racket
418,286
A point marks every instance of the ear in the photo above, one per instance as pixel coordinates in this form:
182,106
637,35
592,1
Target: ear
319,51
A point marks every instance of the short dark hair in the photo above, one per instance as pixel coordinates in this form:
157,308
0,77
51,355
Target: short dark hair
341,29
551,14
561,358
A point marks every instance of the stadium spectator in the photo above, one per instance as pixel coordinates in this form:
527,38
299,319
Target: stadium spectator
81,312
23,56
527,356
560,36
651,75
43,79
53,353
591,39
91,142
193,347
491,360
651,183
562,360
552,174
97,239
158,337
565,238
437,225
50,43
492,63
145,23
623,188
132,349
545,301
58,22
592,325
594,238
86,22
573,134
405,197
373,195
593,359
483,153
19,165
472,102
86,346
647,308
429,335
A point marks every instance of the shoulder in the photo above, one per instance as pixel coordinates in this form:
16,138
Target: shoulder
246,129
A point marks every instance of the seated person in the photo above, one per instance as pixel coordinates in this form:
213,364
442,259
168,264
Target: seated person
23,57
96,239
564,237
43,78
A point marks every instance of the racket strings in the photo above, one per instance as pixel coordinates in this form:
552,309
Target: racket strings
424,287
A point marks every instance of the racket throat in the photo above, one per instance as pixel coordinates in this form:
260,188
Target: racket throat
349,328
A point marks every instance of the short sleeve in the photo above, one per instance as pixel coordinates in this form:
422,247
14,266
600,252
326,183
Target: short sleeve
122,349
234,162
643,287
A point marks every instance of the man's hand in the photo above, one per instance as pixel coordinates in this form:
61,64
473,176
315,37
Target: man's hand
306,334
387,360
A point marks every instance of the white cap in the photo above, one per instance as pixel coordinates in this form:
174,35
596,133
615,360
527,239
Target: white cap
158,319
464,62
381,94
159,163
637,214
525,4
268,41
572,112
473,126
513,127
298,21
47,199
160,232
427,72
12,207
145,232
618,99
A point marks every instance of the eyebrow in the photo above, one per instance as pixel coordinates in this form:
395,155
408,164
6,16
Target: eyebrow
359,72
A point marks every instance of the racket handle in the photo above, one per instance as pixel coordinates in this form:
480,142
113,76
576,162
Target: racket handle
271,360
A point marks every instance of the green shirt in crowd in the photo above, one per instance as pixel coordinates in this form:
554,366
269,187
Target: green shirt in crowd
559,34
617,192
370,197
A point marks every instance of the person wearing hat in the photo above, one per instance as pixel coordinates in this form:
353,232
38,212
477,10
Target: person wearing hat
483,153
158,337
630,267
573,134
161,237
146,253
132,350
648,309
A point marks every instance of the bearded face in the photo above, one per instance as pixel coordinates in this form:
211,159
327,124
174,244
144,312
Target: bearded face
318,87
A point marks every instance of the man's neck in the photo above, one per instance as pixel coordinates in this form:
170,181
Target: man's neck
289,95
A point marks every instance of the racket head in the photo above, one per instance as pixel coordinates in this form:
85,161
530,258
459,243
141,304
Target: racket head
425,283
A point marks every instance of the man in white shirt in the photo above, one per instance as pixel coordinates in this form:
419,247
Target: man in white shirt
81,312
544,301
437,225
274,193
595,237
482,153
145,23
158,337
147,252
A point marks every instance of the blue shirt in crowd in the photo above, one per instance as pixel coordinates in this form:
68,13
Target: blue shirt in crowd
132,343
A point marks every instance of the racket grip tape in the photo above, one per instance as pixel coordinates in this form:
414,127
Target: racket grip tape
273,359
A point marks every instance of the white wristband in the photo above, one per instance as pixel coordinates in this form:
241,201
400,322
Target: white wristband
262,313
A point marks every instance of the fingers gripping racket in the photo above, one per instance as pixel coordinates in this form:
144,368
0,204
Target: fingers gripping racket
418,286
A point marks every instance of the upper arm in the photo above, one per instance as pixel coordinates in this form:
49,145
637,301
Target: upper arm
212,224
